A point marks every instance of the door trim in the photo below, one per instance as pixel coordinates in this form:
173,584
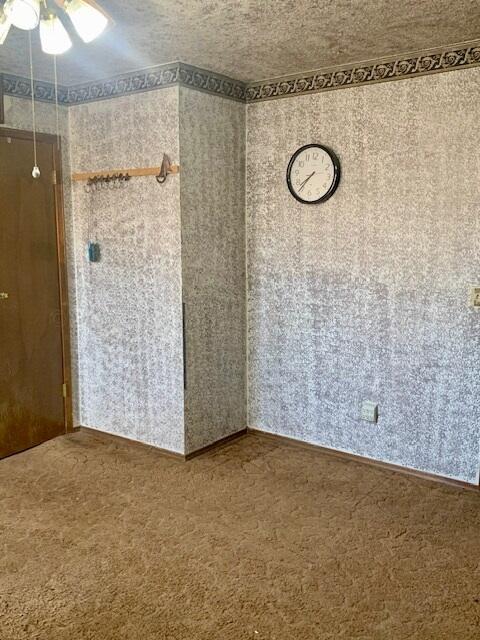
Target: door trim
61,260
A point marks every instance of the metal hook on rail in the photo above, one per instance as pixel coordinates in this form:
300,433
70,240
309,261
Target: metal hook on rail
164,169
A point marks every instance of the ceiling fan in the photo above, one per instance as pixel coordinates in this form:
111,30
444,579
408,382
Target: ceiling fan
87,17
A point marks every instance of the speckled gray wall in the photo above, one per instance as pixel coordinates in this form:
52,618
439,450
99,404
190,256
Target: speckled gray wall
212,150
18,115
365,296
129,304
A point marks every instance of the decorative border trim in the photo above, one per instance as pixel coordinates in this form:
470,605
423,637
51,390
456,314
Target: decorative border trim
409,66
413,65
44,91
150,79
196,78
124,84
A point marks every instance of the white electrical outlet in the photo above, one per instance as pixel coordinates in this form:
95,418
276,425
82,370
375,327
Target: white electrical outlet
369,411
475,296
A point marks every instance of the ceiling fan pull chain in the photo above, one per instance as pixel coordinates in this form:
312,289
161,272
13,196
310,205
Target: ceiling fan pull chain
35,170
56,101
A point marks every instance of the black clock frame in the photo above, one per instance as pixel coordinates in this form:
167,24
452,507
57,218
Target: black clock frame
336,173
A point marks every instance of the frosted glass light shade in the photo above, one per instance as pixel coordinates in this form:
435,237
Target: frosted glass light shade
5,25
53,36
24,14
88,21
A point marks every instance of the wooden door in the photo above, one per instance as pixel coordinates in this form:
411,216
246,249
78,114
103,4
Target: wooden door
33,320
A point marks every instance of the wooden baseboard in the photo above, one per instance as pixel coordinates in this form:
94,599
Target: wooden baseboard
219,443
423,475
165,452
136,443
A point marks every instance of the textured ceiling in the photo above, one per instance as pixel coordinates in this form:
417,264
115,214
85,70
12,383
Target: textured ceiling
252,39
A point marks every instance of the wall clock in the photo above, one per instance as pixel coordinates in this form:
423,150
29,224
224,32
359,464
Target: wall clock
313,174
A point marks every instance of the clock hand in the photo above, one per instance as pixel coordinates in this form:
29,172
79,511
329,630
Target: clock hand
305,181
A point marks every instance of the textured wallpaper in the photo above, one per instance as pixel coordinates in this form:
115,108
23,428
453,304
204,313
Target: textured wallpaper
361,298
18,115
126,309
364,297
212,149
129,304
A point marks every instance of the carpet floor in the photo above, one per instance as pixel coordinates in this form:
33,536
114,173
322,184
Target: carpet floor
258,540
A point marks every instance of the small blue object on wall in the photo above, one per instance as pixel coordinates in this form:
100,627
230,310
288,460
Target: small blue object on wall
94,252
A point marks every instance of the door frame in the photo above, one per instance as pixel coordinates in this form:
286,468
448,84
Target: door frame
57,184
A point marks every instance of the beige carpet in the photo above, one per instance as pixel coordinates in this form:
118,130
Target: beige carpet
257,540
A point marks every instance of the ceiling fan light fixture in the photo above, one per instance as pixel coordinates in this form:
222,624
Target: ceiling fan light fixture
53,35
88,21
23,14
5,25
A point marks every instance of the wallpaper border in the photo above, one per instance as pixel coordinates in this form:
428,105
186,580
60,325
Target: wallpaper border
459,56
44,91
124,84
153,78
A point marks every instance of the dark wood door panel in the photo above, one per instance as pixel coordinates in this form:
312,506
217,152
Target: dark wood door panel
32,407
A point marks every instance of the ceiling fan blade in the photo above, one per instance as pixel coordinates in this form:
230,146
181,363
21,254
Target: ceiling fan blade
95,5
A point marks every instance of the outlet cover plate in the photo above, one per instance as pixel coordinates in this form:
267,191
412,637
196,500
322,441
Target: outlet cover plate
369,411
475,296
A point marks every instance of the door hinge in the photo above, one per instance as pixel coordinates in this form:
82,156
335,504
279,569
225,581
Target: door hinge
54,176
64,389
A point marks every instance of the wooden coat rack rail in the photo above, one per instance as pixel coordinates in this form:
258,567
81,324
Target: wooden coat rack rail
132,172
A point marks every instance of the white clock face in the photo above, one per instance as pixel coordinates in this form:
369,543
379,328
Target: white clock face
312,174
